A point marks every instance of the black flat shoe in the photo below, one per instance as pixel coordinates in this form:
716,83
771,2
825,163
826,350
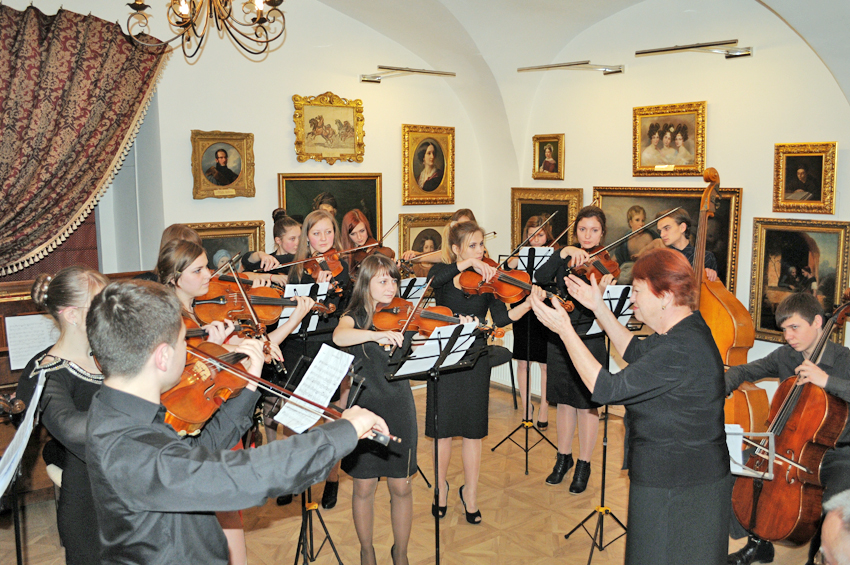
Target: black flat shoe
329,494
756,551
440,511
284,500
471,517
580,477
563,463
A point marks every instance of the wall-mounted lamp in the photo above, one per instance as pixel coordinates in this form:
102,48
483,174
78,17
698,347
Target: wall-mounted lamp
577,66
729,48
389,72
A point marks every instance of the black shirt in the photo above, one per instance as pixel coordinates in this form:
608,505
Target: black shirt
156,492
689,251
673,390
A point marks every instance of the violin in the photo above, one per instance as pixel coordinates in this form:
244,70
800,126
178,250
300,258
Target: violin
210,379
508,286
400,315
599,264
358,256
223,301
196,335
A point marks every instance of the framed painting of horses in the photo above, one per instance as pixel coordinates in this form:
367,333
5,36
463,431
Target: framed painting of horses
328,128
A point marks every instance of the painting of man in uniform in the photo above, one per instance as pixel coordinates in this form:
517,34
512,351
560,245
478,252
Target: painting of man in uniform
221,164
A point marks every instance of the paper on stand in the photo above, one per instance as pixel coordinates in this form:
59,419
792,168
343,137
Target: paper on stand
293,290
411,289
426,355
27,336
541,254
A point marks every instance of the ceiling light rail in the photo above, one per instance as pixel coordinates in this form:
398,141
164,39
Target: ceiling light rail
577,66
385,71
728,48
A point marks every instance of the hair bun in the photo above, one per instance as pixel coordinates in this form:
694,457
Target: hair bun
39,289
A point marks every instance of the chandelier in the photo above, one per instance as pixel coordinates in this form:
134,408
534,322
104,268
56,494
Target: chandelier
262,23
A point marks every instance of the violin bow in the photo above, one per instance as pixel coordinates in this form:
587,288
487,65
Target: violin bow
518,247
230,264
278,270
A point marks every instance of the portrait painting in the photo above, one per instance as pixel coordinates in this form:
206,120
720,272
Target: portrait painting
628,208
223,240
300,194
796,256
548,157
528,202
669,140
222,164
804,177
422,233
427,165
328,128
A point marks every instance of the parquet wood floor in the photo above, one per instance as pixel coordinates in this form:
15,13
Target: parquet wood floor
524,519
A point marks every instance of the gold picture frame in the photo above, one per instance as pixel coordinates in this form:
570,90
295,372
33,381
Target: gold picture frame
414,231
687,118
297,194
439,188
231,237
796,256
335,128
723,231
527,202
542,163
213,179
804,177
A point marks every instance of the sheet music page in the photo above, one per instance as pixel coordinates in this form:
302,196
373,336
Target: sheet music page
734,441
15,451
426,355
320,381
541,255
27,336
612,297
303,290
411,289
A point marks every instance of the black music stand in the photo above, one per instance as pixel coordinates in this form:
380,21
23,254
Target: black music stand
12,500
618,306
433,375
527,420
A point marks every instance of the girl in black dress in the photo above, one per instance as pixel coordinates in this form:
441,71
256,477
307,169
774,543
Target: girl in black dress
72,379
287,234
564,386
463,399
378,284
530,336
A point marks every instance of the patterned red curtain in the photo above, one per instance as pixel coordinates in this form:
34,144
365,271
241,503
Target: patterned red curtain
73,92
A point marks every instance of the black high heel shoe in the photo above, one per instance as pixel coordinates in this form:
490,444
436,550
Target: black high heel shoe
440,511
471,517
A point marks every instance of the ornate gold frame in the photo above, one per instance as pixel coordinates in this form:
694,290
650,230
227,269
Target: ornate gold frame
639,113
255,231
733,195
243,185
351,109
758,288
571,197
411,136
428,220
826,204
536,142
337,184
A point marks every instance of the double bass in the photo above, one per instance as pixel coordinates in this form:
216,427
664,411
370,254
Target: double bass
806,422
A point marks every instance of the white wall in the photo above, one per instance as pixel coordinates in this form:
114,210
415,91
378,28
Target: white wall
782,94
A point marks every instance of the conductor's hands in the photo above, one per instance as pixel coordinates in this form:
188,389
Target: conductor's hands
588,295
364,421
553,317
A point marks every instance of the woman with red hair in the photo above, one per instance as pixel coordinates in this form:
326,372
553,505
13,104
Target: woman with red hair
356,232
673,389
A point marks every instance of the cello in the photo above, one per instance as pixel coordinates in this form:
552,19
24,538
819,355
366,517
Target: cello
806,422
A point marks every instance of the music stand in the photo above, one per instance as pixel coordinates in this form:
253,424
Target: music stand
453,354
529,260
617,299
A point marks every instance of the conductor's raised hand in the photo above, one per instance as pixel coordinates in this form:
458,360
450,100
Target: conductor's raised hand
553,317
588,295
365,421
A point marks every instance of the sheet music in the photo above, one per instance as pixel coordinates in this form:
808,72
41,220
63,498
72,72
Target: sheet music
411,289
734,441
614,297
541,254
28,336
15,451
320,381
303,290
424,357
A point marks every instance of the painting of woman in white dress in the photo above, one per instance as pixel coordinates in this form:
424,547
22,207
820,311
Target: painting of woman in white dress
669,140
650,155
683,156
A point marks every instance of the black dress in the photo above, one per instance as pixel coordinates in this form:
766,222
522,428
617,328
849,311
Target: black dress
65,402
464,396
393,401
531,338
563,383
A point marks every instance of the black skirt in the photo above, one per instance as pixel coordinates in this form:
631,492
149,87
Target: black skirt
530,339
563,383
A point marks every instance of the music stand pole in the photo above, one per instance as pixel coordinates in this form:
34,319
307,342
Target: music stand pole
527,420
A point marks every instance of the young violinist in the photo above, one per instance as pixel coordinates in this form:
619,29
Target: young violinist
530,336
169,234
156,492
319,234
462,401
378,284
801,318
287,233
72,380
356,232
564,386
461,215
